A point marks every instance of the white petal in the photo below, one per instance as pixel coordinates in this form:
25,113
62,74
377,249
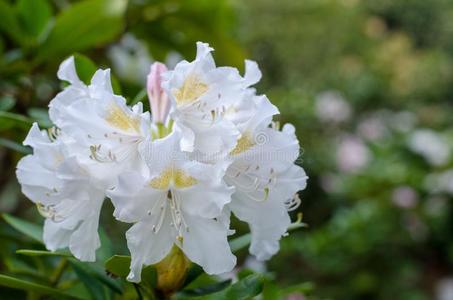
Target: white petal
67,72
54,236
132,199
100,82
206,244
265,110
161,153
37,182
35,137
268,221
205,200
147,247
65,98
85,240
289,182
204,53
252,73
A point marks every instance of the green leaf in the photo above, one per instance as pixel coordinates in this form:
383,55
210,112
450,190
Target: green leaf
29,229
15,146
34,16
85,67
9,23
139,97
41,116
6,103
91,283
205,290
30,252
99,273
240,242
304,287
246,288
11,120
9,196
20,284
85,24
194,272
119,265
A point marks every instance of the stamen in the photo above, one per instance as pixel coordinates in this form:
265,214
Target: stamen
293,203
50,212
99,157
53,133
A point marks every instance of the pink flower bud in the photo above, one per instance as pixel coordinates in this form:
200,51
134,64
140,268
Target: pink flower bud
158,99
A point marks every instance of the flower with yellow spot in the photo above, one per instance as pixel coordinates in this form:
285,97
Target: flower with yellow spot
179,204
106,133
201,94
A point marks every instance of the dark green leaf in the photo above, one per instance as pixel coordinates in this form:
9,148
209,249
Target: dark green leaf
192,274
304,287
119,265
246,288
85,67
15,283
139,97
99,273
34,16
15,146
205,290
9,23
30,252
83,25
91,283
29,229
9,196
11,120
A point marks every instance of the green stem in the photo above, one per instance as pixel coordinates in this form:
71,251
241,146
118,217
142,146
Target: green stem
139,293
59,270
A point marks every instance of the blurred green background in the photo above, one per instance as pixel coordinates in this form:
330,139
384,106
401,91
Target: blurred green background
368,85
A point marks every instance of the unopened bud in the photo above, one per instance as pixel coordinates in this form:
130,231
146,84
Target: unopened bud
158,99
172,271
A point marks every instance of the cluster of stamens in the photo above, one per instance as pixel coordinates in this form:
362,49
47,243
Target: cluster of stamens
101,157
50,212
293,203
178,221
259,183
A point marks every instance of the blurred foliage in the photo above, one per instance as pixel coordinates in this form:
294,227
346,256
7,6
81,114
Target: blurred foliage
368,85
378,201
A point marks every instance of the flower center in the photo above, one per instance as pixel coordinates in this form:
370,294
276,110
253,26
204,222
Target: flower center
191,90
168,179
118,118
172,177
244,143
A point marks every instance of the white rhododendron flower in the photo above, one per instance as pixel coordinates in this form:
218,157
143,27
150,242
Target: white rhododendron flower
107,131
200,93
210,149
265,177
178,204
63,192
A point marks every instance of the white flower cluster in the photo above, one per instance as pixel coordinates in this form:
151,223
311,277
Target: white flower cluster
209,149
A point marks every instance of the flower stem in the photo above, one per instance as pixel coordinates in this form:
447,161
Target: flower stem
59,270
